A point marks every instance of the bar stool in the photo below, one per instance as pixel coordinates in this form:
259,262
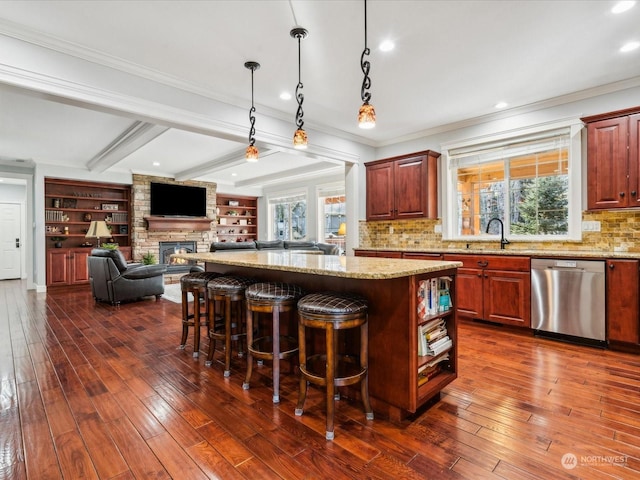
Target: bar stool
331,311
196,284
273,298
228,324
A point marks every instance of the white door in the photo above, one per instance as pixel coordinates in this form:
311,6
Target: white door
10,241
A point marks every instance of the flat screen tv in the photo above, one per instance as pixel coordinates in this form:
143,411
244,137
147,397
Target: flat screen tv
169,200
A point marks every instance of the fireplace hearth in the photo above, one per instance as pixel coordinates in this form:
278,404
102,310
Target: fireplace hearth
176,265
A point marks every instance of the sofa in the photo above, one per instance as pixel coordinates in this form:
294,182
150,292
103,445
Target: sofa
326,248
113,280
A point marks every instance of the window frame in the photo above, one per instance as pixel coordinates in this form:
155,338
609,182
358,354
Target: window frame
336,189
449,178
286,197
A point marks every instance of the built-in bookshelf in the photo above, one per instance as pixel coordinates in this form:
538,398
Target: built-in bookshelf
71,206
436,335
236,218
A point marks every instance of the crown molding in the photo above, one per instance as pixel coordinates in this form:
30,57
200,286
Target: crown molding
521,110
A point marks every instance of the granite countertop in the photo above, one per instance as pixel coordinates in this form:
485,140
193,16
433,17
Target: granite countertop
367,268
542,253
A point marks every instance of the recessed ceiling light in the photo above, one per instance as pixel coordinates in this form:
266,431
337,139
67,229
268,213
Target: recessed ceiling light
627,47
285,96
234,174
501,105
387,46
622,6
156,164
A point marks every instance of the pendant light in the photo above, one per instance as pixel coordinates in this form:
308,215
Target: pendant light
252,151
367,114
300,136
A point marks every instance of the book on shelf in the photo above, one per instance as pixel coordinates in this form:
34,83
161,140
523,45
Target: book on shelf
430,369
430,334
439,346
433,296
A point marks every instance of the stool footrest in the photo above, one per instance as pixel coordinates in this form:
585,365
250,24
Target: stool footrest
262,347
347,371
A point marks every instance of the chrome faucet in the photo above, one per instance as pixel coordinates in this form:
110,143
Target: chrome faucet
503,241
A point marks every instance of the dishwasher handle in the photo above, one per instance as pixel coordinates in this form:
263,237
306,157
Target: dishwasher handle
565,268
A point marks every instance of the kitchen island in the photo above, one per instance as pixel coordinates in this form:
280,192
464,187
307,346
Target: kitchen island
392,288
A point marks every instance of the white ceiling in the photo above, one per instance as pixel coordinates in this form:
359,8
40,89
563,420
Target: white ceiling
453,61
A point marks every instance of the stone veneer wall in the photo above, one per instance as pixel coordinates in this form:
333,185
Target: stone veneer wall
143,240
619,232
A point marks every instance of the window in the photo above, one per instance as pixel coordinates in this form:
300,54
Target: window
530,182
288,217
332,215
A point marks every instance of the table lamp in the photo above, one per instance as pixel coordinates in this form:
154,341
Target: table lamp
98,229
342,229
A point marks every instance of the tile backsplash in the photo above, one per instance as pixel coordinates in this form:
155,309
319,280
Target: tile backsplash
619,232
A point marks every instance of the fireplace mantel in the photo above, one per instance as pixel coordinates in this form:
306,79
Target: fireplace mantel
194,224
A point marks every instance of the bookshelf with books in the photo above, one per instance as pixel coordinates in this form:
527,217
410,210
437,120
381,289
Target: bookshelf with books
436,336
69,208
236,218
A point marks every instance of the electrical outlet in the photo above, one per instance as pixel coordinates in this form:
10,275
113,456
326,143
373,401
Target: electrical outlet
591,226
390,230
437,229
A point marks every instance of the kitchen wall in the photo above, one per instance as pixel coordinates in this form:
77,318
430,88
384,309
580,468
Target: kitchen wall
619,232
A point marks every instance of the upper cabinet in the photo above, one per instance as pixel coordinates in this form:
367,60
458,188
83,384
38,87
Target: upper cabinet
613,157
403,187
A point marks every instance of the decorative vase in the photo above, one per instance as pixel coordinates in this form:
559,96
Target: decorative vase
87,217
58,244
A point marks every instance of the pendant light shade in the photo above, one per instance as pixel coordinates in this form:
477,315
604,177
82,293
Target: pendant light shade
367,114
300,136
252,151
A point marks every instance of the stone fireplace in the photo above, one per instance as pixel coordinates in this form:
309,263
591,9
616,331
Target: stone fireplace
147,238
176,265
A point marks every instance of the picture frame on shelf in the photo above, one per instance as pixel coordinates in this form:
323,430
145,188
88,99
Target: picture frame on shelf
123,229
109,206
69,203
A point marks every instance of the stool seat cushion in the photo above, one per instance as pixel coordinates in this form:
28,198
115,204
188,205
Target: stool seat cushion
196,280
273,291
230,283
332,303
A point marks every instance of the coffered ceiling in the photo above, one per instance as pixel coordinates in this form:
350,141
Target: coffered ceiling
452,62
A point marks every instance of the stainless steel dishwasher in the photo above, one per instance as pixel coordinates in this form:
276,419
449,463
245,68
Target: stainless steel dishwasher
567,299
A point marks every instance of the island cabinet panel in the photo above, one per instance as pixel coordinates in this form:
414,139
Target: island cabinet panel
623,309
494,288
395,363
613,158
402,187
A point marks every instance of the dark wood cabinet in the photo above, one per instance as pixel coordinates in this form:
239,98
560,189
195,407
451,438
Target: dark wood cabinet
494,288
67,266
378,253
422,256
613,158
402,187
623,309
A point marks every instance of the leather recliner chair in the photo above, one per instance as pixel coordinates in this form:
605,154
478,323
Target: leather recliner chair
113,280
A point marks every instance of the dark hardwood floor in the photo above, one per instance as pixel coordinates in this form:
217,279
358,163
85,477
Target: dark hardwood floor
92,391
